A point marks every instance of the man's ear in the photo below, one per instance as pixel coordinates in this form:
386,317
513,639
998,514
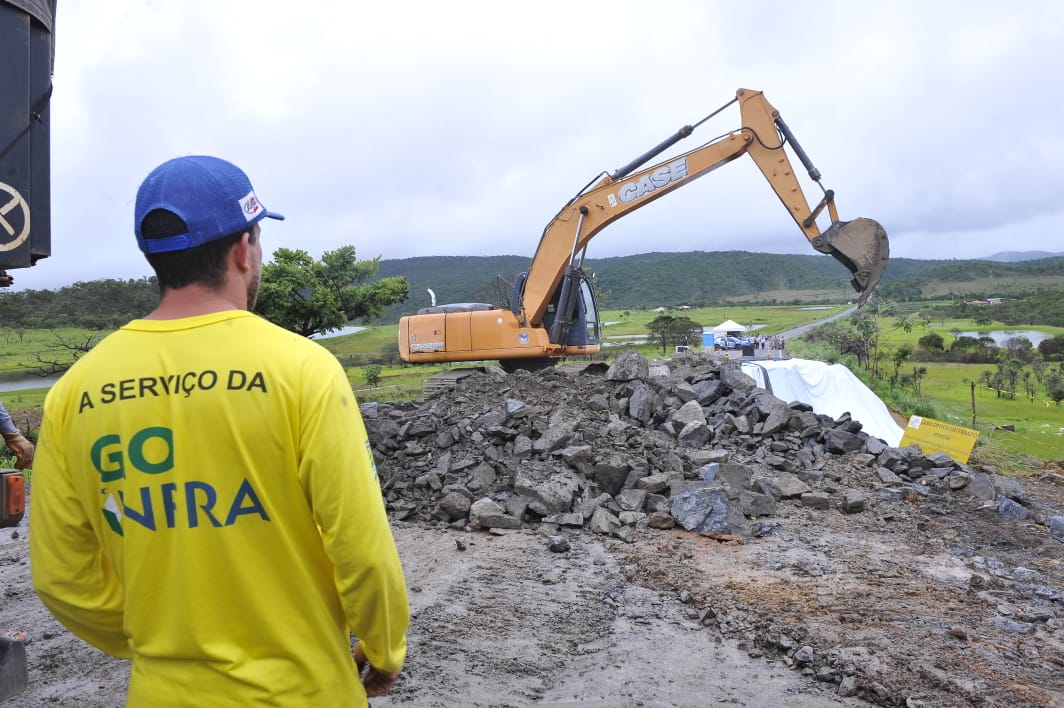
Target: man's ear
241,253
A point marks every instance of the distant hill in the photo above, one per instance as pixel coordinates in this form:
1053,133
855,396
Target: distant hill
1017,256
646,280
975,280
700,278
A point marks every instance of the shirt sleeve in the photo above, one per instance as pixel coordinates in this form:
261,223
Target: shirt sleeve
336,468
71,573
6,424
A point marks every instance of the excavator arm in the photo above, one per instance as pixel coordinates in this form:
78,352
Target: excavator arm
860,245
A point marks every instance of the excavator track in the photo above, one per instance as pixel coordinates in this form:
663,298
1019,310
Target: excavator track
445,380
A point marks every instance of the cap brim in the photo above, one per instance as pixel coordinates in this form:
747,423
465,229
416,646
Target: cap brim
274,215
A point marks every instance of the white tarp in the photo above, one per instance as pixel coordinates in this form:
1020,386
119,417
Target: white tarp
831,389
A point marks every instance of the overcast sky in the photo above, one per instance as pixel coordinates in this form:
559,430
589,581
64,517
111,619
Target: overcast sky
460,128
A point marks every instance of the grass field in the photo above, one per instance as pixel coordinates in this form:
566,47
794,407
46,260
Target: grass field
1037,425
1038,428
1030,426
766,319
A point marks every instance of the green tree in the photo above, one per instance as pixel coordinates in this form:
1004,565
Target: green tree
310,297
1052,348
372,374
913,380
1009,369
602,295
932,342
901,355
1055,387
858,335
1019,348
674,330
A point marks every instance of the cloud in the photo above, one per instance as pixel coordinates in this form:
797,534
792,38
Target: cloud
425,128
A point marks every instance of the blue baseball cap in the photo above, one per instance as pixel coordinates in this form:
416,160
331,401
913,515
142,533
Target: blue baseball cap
214,199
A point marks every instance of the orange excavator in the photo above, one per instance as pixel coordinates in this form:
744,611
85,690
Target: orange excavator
553,312
27,52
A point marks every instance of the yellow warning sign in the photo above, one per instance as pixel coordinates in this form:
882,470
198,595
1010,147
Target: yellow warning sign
935,436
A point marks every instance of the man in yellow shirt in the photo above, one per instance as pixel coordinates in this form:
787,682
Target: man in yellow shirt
204,500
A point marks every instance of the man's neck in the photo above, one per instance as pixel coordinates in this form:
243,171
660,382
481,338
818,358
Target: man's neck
195,300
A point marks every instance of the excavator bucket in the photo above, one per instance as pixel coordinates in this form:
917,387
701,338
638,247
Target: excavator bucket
860,245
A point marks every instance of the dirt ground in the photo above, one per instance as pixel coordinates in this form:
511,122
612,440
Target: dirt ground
919,605
919,600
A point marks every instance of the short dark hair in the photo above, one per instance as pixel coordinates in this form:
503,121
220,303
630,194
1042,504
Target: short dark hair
203,265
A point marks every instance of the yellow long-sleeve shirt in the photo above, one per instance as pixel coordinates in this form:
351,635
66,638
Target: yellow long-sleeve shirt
204,502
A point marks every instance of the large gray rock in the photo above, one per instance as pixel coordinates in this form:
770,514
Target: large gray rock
705,510
690,412
1056,528
737,477
652,484
732,376
981,487
549,491
487,514
558,435
709,391
482,477
632,499
603,522
840,442
754,504
705,457
630,366
454,506
695,434
1008,487
779,415
643,403
887,476
1012,509
611,474
784,486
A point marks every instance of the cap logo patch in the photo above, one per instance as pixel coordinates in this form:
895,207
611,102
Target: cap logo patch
250,206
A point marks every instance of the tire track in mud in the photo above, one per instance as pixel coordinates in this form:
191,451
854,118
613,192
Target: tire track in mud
508,623
900,612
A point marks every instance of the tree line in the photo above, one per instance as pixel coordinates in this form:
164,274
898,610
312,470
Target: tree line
297,292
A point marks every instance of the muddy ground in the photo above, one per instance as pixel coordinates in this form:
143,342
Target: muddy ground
918,600
917,606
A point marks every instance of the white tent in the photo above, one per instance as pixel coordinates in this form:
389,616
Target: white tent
728,326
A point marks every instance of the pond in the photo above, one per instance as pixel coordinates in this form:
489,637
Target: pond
24,383
1000,338
339,332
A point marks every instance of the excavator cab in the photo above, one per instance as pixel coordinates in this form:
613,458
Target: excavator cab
572,317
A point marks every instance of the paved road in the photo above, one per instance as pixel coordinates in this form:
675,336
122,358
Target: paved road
805,328
787,334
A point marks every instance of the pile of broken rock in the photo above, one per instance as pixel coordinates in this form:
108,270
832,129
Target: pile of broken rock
688,442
